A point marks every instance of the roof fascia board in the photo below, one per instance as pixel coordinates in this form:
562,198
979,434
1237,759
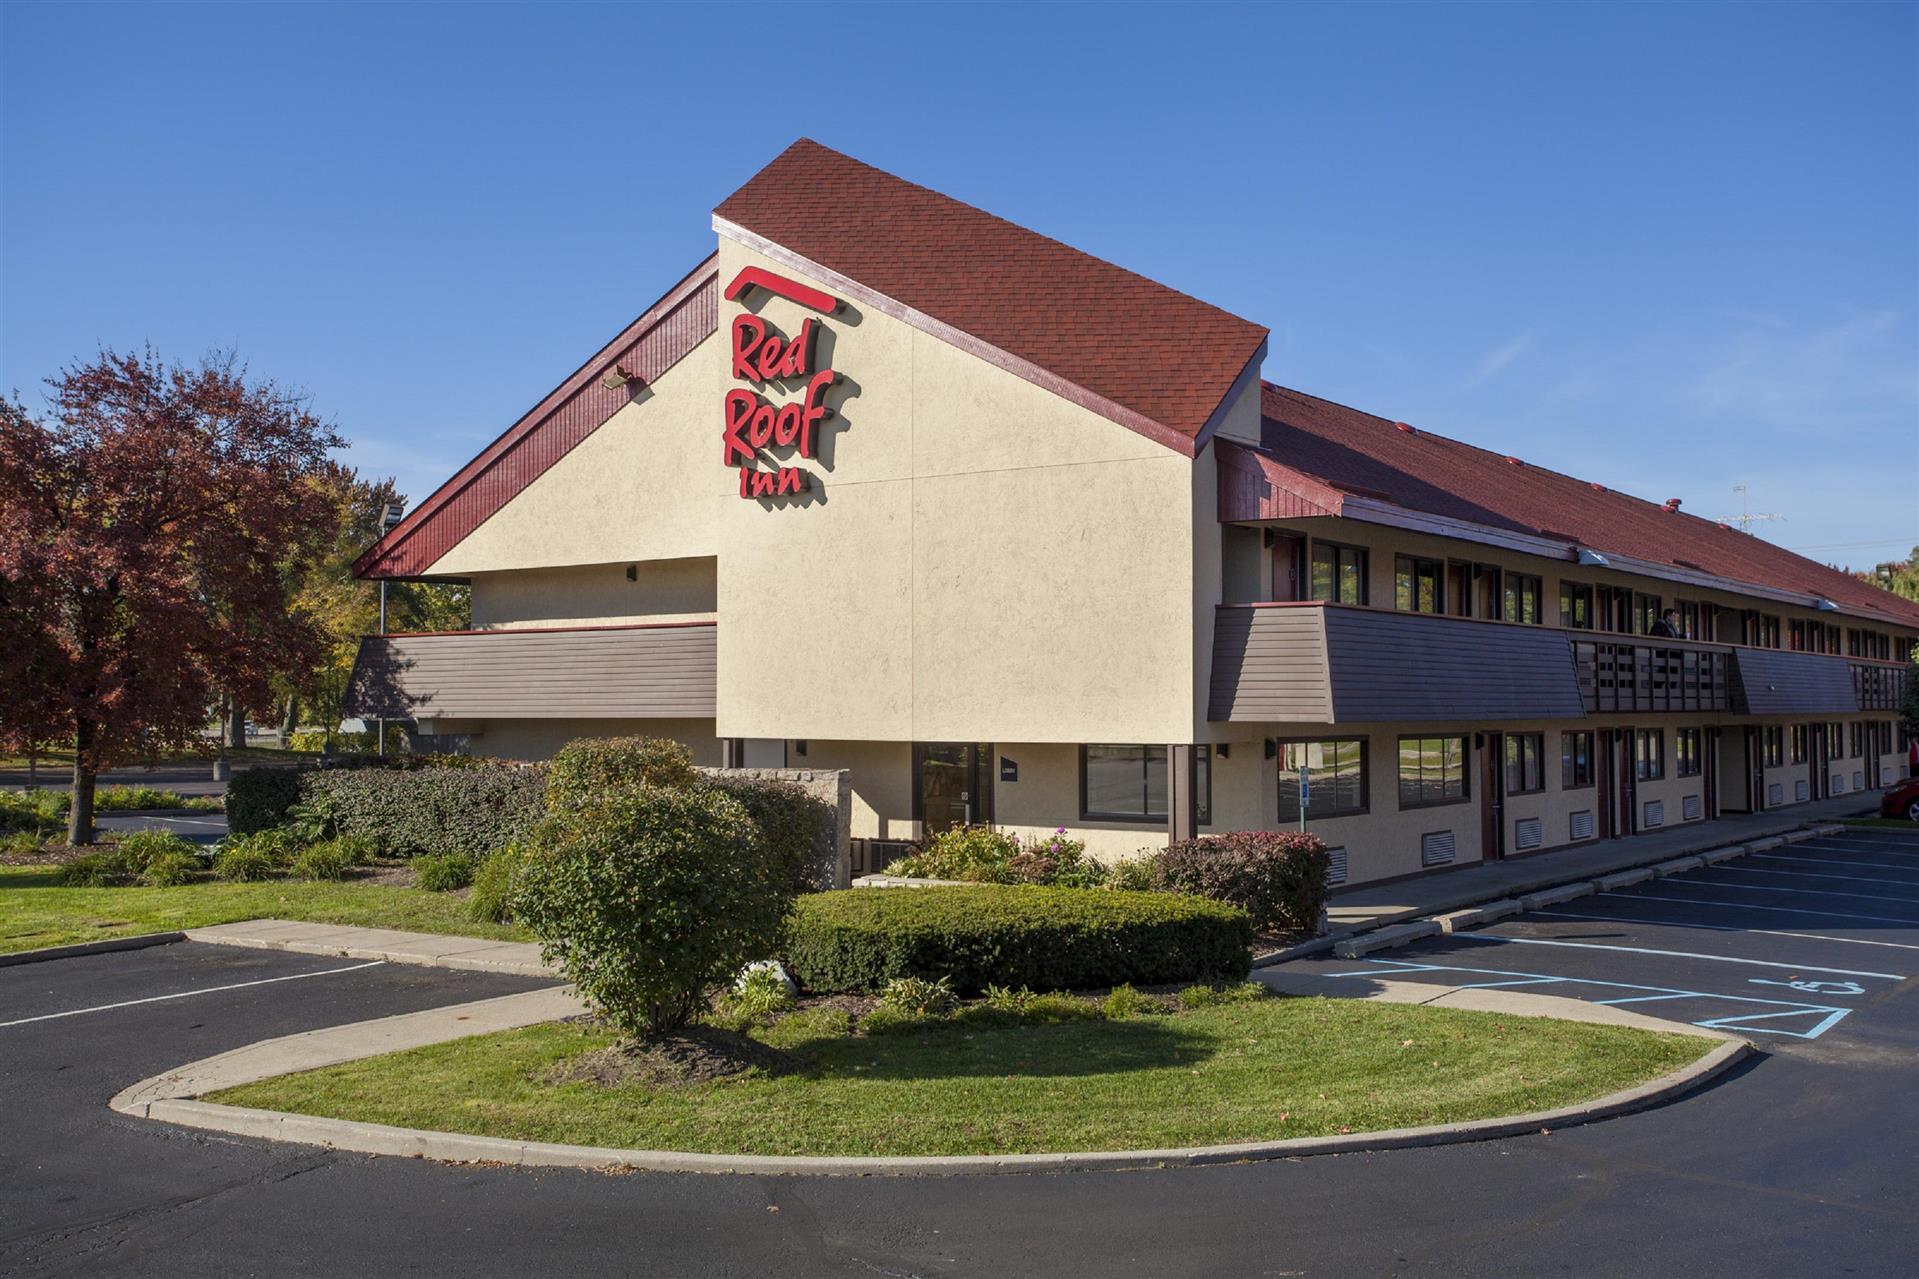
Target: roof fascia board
1374,511
529,421
1018,367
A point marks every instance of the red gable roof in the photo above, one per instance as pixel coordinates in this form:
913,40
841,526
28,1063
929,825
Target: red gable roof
1150,350
1316,454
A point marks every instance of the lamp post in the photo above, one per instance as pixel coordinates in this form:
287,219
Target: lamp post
390,516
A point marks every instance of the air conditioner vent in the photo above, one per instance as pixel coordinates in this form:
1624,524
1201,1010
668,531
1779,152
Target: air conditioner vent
1692,808
1838,783
1655,812
1527,834
1800,791
1335,865
1581,826
1858,781
1775,795
1436,848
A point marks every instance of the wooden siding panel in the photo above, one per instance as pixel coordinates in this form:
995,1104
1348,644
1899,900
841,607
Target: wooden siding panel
1768,681
1412,666
600,673
1269,665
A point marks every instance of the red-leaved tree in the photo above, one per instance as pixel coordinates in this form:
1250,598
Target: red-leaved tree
151,531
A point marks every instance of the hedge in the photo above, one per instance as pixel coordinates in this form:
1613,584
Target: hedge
258,798
466,812
1041,938
799,828
588,769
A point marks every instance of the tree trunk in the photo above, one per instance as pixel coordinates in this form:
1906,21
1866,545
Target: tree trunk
292,721
236,725
80,812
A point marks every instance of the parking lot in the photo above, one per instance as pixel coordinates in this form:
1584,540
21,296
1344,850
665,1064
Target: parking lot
1795,948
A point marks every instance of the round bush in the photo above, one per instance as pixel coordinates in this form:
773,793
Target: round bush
442,873
1277,877
590,769
1043,938
650,898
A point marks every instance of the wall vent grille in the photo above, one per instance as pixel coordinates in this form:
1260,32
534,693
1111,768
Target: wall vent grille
1335,866
1775,795
1800,791
1838,783
1436,848
1582,824
1655,812
1859,781
1527,834
1692,808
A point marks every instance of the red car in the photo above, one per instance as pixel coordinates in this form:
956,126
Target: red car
1901,800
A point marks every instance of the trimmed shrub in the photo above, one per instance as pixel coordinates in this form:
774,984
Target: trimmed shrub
465,811
1277,877
650,898
442,872
588,770
109,869
258,798
170,869
495,880
328,860
798,827
244,862
1044,938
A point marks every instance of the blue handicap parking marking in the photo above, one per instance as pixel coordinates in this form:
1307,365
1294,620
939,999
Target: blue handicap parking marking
1800,1020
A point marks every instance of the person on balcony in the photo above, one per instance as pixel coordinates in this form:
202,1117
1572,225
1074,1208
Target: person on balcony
1667,627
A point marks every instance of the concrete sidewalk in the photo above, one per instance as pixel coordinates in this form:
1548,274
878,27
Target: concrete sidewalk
433,950
1366,908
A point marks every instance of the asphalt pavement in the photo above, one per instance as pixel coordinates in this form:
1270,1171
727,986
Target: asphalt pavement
1803,1162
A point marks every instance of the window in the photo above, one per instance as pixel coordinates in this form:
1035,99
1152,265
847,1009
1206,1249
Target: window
1576,605
1649,754
1575,759
1689,619
1520,599
1432,770
1645,613
1799,636
1769,632
1416,585
1685,752
1858,739
1525,763
1615,608
1800,753
1835,739
1772,745
1128,783
1336,778
1339,573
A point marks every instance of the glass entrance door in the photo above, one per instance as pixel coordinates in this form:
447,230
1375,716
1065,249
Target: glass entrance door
952,785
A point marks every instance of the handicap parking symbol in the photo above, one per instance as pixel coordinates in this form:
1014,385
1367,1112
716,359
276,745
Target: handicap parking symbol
1814,987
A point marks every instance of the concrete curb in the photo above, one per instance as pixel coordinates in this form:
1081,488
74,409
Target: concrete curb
150,1100
104,946
346,941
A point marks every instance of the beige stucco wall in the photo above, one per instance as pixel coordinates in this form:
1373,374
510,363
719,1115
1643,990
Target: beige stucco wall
541,738
645,486
882,783
979,559
681,590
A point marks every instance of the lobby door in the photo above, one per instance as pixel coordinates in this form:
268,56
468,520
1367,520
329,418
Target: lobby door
952,785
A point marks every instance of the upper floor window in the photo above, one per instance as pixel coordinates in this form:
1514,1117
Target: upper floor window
1798,636
1335,778
1576,605
1615,608
1689,619
1416,585
1432,770
1649,754
1685,752
1576,759
1645,613
1520,599
1339,573
1525,763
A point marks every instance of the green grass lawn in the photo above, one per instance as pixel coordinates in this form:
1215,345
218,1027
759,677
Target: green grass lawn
1239,1072
35,911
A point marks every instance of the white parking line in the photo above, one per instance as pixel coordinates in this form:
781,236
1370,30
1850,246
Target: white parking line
188,994
1726,928
1777,910
1862,846
1682,954
1819,874
1822,861
1803,892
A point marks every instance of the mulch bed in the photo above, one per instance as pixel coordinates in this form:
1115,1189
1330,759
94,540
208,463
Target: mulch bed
695,1055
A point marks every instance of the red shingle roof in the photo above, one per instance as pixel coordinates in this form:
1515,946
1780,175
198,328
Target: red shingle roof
1153,350
1351,452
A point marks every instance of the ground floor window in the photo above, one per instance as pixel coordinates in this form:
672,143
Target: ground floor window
1835,739
1525,763
1575,760
1800,751
1858,739
1432,770
1128,783
1772,743
1685,752
1336,778
1649,754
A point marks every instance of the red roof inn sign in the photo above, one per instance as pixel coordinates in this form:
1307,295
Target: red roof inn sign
765,357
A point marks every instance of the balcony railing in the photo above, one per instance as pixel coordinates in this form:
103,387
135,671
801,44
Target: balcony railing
1879,687
1652,675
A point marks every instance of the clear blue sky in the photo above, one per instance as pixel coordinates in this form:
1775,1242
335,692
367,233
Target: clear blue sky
1669,247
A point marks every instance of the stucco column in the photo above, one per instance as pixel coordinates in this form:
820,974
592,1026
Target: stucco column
1182,800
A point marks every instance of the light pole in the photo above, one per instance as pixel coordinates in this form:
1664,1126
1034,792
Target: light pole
390,516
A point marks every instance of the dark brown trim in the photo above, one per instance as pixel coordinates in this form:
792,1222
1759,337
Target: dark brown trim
545,630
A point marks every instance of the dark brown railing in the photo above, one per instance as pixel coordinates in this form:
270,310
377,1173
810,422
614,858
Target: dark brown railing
1880,688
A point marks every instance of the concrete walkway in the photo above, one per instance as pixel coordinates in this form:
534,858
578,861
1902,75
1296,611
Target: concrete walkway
434,950
1365,908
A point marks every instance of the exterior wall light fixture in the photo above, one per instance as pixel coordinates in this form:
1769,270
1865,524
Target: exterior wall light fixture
616,377
1825,605
1592,559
